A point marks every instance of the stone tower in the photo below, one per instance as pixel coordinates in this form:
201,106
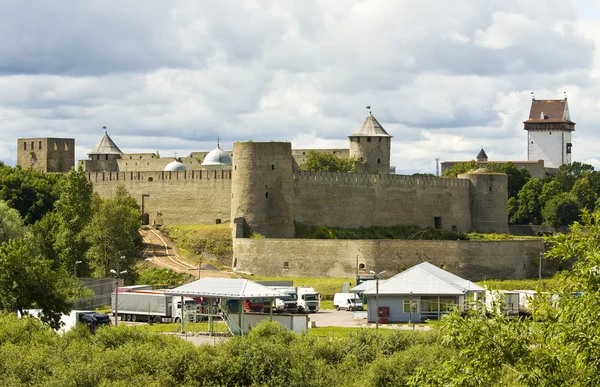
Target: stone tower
488,193
104,156
262,188
370,146
46,154
549,130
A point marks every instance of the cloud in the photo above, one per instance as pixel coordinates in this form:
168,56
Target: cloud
444,78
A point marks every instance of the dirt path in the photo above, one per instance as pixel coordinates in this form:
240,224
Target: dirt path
162,252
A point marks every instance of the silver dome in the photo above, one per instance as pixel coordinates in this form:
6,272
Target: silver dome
175,166
217,157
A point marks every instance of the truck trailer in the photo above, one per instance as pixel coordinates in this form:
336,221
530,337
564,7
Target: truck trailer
155,306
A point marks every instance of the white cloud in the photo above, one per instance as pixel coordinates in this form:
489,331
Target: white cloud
444,78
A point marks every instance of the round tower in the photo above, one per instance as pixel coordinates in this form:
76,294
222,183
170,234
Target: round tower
370,146
262,190
488,194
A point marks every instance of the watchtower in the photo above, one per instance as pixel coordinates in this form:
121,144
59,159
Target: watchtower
46,154
262,187
549,130
104,156
488,194
370,146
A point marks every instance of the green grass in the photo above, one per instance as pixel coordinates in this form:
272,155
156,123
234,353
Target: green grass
547,284
207,240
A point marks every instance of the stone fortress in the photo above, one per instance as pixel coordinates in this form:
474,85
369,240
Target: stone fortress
258,188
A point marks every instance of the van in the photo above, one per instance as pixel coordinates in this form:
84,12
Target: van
348,301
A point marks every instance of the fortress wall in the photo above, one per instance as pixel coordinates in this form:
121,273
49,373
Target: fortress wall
359,199
127,164
182,197
473,260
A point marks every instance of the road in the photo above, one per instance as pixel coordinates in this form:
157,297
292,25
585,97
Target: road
161,251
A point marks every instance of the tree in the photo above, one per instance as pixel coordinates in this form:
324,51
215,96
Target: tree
557,346
561,210
526,208
28,281
460,168
568,174
585,193
11,224
114,232
517,178
73,210
322,161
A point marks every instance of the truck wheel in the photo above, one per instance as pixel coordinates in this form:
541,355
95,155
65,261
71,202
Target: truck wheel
177,320
337,308
157,319
128,317
133,318
122,317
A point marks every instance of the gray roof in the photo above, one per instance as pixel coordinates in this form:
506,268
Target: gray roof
366,285
481,155
425,279
106,146
228,288
216,157
175,165
370,128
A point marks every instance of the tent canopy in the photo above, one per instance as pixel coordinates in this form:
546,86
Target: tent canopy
226,288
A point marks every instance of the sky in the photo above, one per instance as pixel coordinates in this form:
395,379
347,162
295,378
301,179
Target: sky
444,78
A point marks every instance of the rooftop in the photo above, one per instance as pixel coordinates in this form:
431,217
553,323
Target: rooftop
370,128
106,146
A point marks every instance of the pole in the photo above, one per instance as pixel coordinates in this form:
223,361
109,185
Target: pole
540,268
377,304
116,299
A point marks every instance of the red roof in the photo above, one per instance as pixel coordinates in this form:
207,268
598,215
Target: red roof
549,110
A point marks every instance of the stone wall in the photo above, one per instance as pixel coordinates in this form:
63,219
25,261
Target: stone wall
46,154
473,260
356,199
178,197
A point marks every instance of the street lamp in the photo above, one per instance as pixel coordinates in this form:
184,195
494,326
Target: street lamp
376,276
75,282
117,273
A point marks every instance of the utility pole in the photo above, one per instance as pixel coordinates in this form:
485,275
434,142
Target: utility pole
75,282
117,273
377,275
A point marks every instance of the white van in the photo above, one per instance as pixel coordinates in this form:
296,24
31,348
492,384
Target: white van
348,301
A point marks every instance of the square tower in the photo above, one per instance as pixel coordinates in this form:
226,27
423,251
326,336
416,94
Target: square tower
549,130
46,154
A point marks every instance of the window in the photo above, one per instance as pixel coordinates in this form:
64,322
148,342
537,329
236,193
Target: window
453,227
569,146
362,159
286,265
368,139
24,145
106,157
39,145
357,139
272,167
361,266
406,306
378,161
266,195
379,139
66,146
447,304
437,222
490,188
217,221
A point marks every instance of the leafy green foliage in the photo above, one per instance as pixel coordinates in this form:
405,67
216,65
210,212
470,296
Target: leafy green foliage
323,161
28,191
561,210
460,168
206,242
526,207
112,233
11,224
517,177
151,275
397,232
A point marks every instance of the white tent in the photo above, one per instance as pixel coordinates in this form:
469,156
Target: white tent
225,288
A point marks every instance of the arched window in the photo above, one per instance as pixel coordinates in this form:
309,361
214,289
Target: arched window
361,266
272,166
378,161
286,265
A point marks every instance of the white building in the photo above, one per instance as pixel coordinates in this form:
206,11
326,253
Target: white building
549,130
423,292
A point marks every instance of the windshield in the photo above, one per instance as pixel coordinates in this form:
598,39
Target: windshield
190,304
290,297
311,297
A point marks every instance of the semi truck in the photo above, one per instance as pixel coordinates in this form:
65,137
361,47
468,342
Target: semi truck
155,306
309,300
289,303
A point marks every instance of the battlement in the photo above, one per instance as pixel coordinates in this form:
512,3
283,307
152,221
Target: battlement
389,179
100,177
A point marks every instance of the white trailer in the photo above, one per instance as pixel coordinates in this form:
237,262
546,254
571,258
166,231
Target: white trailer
154,306
502,301
309,300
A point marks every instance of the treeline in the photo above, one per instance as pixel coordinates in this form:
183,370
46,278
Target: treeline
554,200
52,226
270,355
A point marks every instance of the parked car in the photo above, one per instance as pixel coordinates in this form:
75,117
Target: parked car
347,301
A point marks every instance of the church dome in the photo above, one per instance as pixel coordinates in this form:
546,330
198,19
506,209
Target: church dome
217,157
175,165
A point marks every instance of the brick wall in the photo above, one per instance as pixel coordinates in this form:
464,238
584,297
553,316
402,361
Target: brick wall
473,260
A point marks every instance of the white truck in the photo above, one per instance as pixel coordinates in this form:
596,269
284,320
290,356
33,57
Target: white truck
502,301
155,306
288,304
309,300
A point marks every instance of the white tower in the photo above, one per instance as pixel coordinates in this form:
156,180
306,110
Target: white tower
549,130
